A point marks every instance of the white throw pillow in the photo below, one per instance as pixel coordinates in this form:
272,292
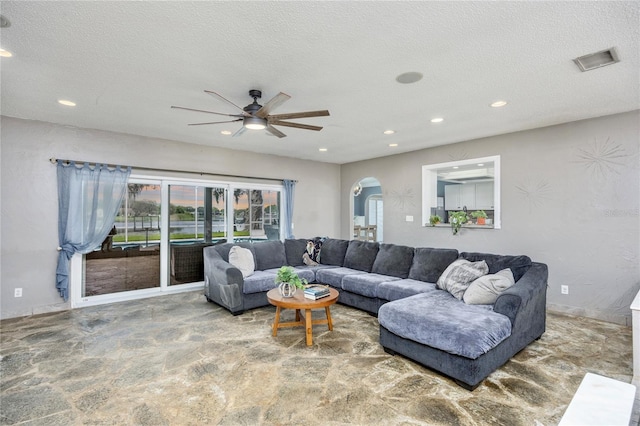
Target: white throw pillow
459,274
242,259
485,290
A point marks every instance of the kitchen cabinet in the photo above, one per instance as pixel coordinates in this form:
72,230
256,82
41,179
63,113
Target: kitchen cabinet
473,196
484,196
456,197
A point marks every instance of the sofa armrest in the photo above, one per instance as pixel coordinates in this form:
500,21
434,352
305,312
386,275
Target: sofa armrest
220,271
527,299
223,281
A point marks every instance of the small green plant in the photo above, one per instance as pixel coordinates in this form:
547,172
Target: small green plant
287,274
434,220
479,213
457,219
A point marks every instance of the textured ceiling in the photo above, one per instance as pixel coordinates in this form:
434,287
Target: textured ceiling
126,63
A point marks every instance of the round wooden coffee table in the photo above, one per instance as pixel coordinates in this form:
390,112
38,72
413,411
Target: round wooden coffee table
301,303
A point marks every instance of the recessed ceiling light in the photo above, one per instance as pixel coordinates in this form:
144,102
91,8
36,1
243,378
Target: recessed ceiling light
66,102
437,120
481,164
498,104
323,149
456,167
393,145
5,53
409,77
226,132
389,132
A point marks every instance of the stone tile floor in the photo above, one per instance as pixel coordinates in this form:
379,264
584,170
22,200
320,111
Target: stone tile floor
178,360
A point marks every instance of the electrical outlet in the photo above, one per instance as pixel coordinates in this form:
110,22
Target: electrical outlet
409,218
564,289
17,292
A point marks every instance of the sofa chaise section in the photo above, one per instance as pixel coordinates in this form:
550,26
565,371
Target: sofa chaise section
522,308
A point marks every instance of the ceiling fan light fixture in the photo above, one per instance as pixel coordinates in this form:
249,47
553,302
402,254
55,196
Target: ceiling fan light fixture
255,123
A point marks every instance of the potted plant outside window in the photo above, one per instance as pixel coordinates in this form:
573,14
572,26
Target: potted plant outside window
480,217
288,281
434,220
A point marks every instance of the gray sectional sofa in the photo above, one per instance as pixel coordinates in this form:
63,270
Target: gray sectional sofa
397,283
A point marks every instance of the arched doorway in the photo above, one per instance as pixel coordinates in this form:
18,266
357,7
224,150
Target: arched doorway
367,214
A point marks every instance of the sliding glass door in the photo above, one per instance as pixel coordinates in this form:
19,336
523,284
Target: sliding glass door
196,219
160,232
129,258
256,214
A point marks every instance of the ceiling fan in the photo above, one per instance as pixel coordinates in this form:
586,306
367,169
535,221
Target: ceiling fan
256,117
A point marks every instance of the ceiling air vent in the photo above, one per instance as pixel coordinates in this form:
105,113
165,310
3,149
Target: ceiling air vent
597,60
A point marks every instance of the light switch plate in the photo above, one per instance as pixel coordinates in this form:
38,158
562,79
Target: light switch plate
409,219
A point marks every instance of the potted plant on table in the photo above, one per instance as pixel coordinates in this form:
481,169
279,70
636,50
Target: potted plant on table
480,217
457,219
288,281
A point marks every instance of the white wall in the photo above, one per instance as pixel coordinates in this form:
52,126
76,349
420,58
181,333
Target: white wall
29,228
570,198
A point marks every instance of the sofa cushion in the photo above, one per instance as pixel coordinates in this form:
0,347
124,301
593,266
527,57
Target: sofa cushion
399,289
242,259
294,249
269,254
439,320
259,282
361,255
496,262
334,276
333,251
429,263
393,260
485,290
364,284
457,277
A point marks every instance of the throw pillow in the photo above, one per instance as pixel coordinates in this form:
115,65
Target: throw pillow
457,277
242,259
311,255
485,290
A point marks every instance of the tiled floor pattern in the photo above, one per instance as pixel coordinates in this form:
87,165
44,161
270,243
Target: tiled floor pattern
178,360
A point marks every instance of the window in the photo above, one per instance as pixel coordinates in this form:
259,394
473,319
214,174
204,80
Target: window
160,231
467,185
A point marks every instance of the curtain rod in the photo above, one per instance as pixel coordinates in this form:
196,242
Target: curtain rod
55,160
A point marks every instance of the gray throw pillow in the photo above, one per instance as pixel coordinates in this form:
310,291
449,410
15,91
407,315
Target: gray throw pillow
393,260
486,289
457,277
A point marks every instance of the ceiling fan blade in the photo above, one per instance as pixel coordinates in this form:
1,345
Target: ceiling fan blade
219,96
273,103
214,122
296,125
275,132
208,112
322,113
240,131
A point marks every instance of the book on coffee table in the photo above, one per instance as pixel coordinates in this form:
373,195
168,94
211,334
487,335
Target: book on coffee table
316,292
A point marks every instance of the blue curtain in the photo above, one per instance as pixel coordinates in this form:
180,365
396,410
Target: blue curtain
289,189
88,201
